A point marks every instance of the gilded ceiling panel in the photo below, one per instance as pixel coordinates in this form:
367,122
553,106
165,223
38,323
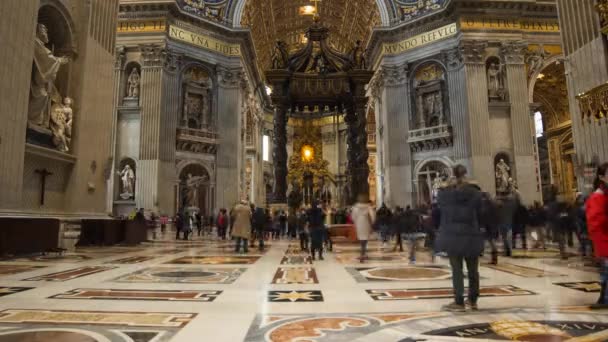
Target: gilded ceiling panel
287,20
551,91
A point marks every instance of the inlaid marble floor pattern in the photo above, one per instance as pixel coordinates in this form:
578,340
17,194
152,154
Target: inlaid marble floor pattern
202,291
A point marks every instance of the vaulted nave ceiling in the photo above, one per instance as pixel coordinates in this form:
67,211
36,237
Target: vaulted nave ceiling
272,20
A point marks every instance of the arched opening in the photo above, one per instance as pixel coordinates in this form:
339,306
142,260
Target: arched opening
194,189
555,145
429,177
431,105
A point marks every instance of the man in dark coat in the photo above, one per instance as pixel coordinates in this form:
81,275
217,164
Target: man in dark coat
315,218
460,237
258,224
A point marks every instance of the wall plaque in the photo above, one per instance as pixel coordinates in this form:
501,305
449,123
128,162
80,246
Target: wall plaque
509,24
420,40
141,26
204,41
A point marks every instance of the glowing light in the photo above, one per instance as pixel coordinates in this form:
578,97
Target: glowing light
540,76
308,153
268,90
307,10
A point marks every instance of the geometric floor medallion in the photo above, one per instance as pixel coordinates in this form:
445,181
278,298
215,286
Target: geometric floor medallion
294,296
71,274
215,260
583,286
14,269
186,275
445,292
5,291
161,295
522,271
399,273
295,275
89,326
296,260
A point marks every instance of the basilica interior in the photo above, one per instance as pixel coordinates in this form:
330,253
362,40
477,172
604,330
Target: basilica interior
123,117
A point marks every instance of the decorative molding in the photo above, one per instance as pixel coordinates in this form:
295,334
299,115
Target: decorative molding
473,52
453,58
230,77
592,104
602,9
514,52
120,57
152,55
394,76
173,61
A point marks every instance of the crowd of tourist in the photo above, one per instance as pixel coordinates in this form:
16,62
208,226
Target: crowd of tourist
459,224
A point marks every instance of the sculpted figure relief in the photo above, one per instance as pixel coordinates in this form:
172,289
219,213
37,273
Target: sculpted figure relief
61,124
43,90
280,55
133,84
127,176
495,76
192,185
502,177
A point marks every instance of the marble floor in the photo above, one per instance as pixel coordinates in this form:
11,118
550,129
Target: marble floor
202,291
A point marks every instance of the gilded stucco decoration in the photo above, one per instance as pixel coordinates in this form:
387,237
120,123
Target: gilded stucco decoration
279,20
602,10
408,10
210,9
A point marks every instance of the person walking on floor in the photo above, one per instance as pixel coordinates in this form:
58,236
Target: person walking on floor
460,236
413,229
259,224
489,223
242,226
596,209
383,220
398,226
316,218
179,224
303,231
363,217
520,222
506,213
222,224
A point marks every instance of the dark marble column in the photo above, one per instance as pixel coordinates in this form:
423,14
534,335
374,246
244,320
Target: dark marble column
357,170
279,154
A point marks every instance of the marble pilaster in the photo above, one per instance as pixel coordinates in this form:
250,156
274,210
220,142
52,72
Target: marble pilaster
459,118
149,152
169,118
229,129
396,158
19,19
523,138
481,168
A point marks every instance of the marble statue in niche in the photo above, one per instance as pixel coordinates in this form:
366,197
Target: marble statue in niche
133,84
430,105
197,99
127,177
61,124
496,80
503,177
43,91
192,185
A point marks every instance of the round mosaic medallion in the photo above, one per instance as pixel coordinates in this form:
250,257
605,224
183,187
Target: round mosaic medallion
47,336
407,273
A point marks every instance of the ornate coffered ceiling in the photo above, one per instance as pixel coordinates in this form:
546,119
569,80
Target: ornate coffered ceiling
272,20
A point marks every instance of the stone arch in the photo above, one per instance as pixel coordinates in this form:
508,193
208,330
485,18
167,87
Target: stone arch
534,77
195,196
236,13
425,174
181,166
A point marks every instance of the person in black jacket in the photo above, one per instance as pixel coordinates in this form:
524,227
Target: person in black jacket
259,219
489,222
315,218
520,221
460,236
383,221
398,224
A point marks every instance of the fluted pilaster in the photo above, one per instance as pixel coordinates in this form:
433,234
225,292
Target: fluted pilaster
456,78
523,140
229,128
473,53
150,101
396,156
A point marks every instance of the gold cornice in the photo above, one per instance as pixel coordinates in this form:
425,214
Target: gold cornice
602,9
594,103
